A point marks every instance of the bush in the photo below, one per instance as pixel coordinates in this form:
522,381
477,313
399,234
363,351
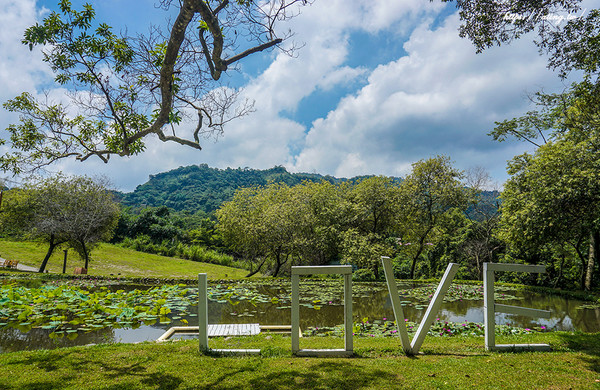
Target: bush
143,243
363,275
401,268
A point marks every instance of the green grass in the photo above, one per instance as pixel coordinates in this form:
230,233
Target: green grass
447,363
110,259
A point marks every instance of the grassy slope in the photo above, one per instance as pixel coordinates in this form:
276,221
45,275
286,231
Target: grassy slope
110,259
447,363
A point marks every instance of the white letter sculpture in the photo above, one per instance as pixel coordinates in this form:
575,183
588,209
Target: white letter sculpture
345,270
490,307
432,309
203,327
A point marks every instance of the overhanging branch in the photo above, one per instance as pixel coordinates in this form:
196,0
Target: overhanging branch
255,49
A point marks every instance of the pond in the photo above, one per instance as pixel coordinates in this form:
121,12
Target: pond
52,316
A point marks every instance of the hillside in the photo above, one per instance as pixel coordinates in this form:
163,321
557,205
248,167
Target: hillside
200,188
112,260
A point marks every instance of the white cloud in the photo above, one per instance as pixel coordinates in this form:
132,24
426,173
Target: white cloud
20,69
439,99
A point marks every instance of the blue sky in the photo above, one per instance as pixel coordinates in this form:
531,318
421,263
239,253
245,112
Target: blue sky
377,86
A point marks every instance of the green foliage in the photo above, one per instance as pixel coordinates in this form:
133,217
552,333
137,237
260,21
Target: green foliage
429,196
363,275
67,310
355,222
78,54
121,89
550,204
199,188
76,211
158,225
197,253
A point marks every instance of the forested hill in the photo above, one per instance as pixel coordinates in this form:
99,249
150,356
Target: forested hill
201,188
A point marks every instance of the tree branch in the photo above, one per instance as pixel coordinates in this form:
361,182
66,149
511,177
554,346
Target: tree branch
255,49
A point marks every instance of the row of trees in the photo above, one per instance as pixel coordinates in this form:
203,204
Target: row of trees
355,223
547,214
434,216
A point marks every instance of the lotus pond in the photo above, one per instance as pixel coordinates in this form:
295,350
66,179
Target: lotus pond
36,315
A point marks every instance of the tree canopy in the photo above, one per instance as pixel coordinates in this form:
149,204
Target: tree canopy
354,222
550,203
125,88
77,211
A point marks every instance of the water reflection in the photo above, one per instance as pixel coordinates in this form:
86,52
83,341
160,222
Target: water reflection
12,340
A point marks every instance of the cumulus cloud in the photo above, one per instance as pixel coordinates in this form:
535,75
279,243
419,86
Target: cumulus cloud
20,69
436,96
441,98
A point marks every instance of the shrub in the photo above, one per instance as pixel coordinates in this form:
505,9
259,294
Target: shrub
363,275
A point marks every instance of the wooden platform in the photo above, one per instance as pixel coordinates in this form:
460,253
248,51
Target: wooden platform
215,330
221,330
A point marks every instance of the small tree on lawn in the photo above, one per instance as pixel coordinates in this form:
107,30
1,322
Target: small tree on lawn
77,211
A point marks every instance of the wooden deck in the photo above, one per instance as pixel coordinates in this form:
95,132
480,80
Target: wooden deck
221,330
215,330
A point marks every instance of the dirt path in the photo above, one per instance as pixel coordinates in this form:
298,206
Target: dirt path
22,267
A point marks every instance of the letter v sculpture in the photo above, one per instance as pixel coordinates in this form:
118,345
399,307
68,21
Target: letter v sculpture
434,306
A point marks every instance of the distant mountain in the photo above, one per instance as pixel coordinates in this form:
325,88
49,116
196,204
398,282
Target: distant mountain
201,188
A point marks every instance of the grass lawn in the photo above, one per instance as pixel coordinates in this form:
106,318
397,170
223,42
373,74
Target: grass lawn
446,363
109,260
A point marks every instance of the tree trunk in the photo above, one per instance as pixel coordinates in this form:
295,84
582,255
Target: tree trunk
560,271
592,255
257,269
85,254
582,274
376,270
414,260
277,264
53,244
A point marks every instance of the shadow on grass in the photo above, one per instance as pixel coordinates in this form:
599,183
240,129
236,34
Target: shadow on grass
113,372
41,385
44,360
587,343
322,375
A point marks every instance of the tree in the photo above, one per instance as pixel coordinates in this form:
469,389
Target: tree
427,196
374,207
553,196
479,241
566,126
278,225
491,22
88,212
566,132
24,215
79,211
264,225
126,88
159,224
330,213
